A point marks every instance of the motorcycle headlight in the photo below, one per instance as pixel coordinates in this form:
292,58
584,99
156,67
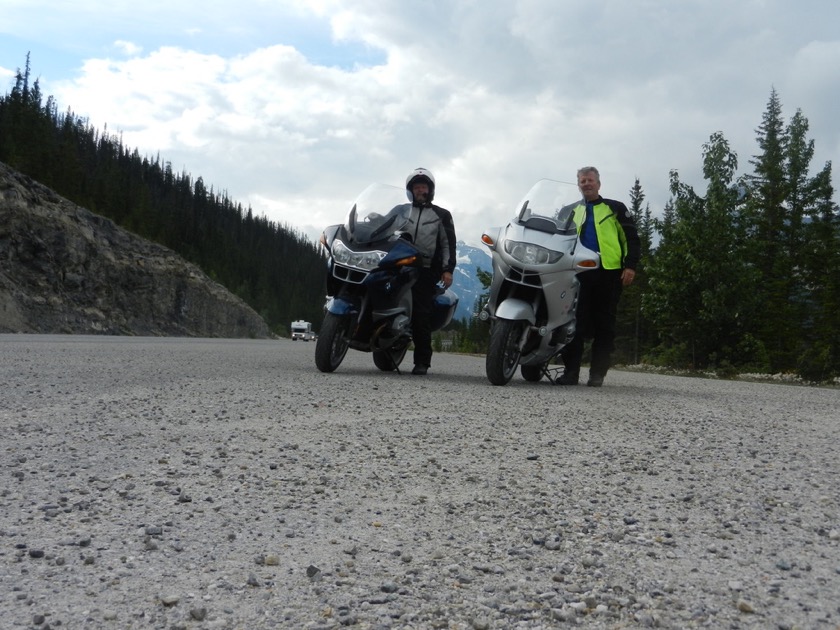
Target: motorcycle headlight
366,261
530,254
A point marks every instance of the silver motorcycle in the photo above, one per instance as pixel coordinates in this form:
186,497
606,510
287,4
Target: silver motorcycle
533,294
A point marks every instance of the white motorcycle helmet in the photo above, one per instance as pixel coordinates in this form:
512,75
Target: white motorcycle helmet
423,175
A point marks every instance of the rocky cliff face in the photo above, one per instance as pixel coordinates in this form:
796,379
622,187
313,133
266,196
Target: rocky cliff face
66,270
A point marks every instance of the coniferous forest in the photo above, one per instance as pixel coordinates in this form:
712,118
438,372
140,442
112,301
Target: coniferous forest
273,268
743,276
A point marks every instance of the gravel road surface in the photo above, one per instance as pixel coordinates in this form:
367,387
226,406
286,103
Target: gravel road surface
196,483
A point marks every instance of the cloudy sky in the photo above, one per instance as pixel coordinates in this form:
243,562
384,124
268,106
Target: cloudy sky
294,106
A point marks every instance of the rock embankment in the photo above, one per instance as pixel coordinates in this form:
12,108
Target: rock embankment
64,269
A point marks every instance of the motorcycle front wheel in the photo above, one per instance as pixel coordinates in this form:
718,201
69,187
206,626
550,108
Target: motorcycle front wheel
333,341
389,360
504,350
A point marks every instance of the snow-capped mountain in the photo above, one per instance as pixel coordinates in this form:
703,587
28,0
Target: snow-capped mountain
465,280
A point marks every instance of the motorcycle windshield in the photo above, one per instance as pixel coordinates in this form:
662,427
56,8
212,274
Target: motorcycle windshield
378,212
549,207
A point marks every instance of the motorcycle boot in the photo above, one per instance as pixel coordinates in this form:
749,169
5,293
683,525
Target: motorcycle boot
599,366
571,355
568,378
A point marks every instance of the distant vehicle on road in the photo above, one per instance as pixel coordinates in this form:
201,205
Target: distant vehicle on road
302,331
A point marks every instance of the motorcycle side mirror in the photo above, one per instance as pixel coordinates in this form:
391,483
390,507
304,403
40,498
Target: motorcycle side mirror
524,213
351,221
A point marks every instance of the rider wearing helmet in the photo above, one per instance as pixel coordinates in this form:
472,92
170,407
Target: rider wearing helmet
433,233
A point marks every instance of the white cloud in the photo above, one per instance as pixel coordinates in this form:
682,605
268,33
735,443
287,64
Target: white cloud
129,49
490,95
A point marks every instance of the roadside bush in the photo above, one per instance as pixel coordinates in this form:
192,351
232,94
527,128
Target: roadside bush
815,364
670,356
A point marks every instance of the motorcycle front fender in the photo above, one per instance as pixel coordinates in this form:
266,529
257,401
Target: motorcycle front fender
515,309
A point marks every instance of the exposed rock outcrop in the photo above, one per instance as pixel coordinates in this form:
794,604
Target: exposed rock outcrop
64,269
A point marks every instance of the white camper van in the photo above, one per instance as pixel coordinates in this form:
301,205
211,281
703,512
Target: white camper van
302,331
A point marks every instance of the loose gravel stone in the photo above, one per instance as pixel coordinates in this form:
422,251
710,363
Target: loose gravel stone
177,483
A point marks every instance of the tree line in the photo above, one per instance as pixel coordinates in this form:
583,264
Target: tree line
741,277
273,268
746,277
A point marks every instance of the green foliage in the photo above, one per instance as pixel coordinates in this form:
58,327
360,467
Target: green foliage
751,355
677,355
699,280
731,283
816,364
485,277
725,369
633,329
793,241
469,336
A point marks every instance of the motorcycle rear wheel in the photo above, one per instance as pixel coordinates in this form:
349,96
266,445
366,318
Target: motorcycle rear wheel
504,351
532,373
333,341
389,360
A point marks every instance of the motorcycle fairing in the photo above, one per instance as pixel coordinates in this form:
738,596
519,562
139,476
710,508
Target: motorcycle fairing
401,250
367,222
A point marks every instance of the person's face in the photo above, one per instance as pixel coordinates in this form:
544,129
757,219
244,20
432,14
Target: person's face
420,190
589,186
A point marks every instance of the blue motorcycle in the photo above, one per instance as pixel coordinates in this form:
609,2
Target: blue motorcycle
371,268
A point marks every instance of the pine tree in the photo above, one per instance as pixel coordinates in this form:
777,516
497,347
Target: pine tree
631,326
764,221
783,201
819,357
698,282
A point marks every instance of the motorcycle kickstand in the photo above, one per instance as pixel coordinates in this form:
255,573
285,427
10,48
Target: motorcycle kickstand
552,373
394,363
